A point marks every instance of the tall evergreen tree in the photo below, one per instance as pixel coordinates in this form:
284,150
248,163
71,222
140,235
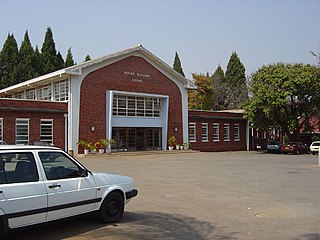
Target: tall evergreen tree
177,65
220,88
88,58
26,66
235,72
38,65
236,91
60,61
49,55
9,62
69,59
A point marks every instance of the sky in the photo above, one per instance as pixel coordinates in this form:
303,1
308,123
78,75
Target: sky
204,32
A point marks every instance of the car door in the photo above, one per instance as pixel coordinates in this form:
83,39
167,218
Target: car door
71,189
23,196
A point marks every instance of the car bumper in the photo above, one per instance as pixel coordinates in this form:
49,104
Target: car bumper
131,194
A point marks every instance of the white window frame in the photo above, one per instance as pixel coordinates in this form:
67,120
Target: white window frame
26,123
216,132
44,92
61,90
204,132
136,106
48,138
236,132
192,132
226,132
1,129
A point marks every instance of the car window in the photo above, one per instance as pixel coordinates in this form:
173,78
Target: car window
57,165
17,168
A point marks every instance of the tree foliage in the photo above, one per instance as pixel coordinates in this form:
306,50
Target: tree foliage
9,62
235,73
284,96
177,65
202,98
69,59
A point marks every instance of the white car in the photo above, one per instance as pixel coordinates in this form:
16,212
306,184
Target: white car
41,184
314,147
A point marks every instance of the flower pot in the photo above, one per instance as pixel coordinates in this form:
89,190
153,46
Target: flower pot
170,148
86,152
101,151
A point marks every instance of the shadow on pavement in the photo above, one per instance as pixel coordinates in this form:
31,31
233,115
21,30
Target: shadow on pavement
141,225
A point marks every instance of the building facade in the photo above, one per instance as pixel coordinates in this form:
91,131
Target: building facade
130,96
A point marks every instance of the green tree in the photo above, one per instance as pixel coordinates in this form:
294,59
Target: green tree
202,98
235,73
9,62
69,59
26,66
177,65
51,60
219,89
88,58
38,64
284,96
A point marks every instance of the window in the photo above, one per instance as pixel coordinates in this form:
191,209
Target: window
136,106
226,132
1,129
204,129
216,132
18,167
44,92
61,90
236,132
31,94
192,132
46,130
58,166
22,131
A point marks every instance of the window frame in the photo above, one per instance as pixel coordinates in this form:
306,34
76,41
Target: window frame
204,132
236,134
43,137
216,132
22,142
193,136
226,132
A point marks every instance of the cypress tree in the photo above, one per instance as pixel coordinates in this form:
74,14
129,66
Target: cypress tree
88,58
49,53
59,61
9,62
69,59
37,62
235,73
177,65
26,66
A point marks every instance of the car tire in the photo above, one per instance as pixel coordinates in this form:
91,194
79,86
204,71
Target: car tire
112,208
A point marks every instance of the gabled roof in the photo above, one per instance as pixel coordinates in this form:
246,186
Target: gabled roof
77,69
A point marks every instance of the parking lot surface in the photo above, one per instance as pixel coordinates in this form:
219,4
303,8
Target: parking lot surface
229,195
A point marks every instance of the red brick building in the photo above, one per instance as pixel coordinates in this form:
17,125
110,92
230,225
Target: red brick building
130,96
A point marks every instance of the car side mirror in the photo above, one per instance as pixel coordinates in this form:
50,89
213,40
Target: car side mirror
84,173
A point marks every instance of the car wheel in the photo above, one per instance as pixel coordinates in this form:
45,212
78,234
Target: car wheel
112,208
313,153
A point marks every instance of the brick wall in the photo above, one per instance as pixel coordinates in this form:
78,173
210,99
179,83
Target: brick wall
222,118
10,110
123,76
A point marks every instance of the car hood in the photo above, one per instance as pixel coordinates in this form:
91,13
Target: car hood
103,179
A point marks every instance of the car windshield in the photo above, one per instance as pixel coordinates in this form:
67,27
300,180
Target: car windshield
316,144
273,143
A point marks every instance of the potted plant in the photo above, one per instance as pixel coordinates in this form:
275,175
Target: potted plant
177,146
85,145
92,148
108,143
100,146
186,145
171,142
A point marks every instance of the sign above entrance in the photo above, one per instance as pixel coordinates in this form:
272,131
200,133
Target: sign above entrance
136,74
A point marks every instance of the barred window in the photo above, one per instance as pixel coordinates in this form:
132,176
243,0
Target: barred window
46,131
192,132
236,132
226,132
204,129
1,129
216,132
31,94
134,106
22,131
